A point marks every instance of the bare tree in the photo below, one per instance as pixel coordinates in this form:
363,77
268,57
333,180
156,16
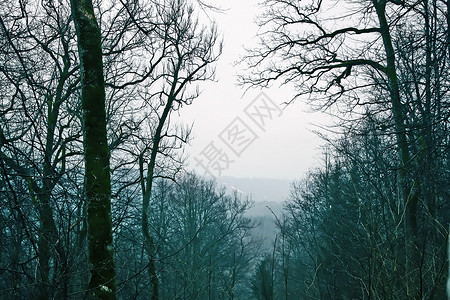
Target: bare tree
153,53
183,56
38,82
203,239
351,61
152,67
97,172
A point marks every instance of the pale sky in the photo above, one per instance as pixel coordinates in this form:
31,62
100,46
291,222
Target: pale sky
228,139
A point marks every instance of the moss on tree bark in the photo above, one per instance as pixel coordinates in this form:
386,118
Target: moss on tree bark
97,171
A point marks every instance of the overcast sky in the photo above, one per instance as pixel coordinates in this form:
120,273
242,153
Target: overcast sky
248,135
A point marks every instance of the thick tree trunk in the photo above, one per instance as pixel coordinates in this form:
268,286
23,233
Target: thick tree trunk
97,171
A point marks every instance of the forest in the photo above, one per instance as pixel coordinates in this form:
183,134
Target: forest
96,201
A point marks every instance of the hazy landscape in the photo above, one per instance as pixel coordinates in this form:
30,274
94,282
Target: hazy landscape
162,149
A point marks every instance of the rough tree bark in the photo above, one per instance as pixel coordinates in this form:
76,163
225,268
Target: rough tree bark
97,171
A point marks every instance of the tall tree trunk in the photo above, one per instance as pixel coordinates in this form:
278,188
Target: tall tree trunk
97,171
149,242
409,192
50,246
147,187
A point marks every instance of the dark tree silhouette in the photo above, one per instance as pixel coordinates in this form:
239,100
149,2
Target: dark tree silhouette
97,172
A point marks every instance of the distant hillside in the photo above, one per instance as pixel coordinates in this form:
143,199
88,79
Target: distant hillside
265,208
260,189
268,196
